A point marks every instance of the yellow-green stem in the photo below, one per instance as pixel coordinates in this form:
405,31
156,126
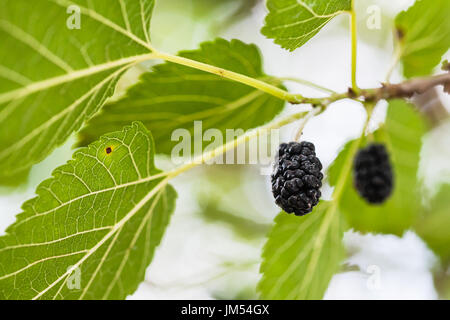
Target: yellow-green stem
255,83
205,157
307,83
304,121
395,60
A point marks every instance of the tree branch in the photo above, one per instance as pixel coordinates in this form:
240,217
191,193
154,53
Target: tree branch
406,89
387,91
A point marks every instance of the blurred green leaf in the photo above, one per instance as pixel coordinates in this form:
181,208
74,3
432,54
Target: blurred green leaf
16,180
402,134
99,218
228,188
53,78
424,36
241,226
246,293
196,21
239,13
302,254
174,96
434,225
444,286
374,22
291,23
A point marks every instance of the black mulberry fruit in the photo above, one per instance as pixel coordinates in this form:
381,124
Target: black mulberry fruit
373,177
297,179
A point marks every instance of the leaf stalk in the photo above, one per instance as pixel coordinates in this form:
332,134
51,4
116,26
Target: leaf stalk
354,47
205,157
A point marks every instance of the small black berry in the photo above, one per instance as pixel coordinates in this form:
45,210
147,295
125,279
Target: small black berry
372,172
296,179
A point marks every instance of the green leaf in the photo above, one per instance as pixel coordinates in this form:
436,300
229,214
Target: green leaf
434,225
424,36
53,78
292,23
100,216
444,288
402,134
174,96
302,254
242,227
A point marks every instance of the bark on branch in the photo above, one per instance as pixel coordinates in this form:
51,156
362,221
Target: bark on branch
408,88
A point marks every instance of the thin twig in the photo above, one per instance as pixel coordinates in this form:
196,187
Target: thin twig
405,89
307,83
304,121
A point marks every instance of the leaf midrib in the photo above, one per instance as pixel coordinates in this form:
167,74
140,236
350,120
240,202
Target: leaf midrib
330,213
116,187
19,143
68,77
114,229
103,20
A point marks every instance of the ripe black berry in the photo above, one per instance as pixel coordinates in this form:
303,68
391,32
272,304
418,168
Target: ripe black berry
373,177
297,179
